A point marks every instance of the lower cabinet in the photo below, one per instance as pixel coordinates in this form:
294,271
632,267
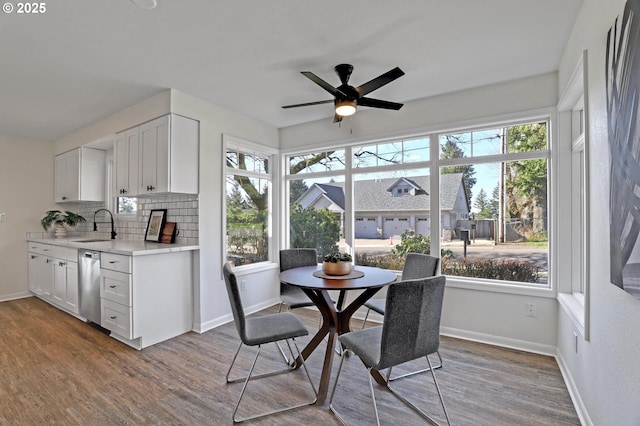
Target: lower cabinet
146,299
53,275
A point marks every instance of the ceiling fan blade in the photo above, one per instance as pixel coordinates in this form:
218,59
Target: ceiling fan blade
320,82
377,103
308,104
379,81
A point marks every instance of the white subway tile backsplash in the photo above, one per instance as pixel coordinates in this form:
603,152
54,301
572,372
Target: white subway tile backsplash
182,209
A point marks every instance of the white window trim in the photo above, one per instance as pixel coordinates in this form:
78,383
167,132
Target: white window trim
576,305
274,160
544,114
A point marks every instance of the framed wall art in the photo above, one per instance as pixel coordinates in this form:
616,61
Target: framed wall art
157,219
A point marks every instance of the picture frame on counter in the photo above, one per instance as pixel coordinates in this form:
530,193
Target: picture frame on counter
157,219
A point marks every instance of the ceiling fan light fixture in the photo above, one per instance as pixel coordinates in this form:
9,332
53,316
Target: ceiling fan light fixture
345,107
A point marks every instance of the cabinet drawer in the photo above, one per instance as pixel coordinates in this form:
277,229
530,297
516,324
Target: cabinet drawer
115,286
117,318
66,253
39,248
115,262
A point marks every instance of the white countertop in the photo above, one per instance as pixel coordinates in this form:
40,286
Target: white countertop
125,247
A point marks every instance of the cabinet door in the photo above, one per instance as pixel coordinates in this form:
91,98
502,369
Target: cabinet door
71,287
59,293
67,176
45,276
154,156
126,156
34,264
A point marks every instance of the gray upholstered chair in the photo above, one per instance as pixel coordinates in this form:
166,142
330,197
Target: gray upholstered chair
411,330
258,331
416,265
291,296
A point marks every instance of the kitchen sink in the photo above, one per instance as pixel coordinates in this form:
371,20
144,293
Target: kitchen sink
91,240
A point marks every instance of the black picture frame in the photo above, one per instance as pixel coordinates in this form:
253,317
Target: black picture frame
157,219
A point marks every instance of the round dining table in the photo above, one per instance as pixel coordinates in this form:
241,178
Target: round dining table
335,316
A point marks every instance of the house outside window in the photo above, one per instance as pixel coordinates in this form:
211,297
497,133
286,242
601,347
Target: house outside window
248,192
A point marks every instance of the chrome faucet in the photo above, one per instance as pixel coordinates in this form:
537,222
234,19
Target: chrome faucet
95,224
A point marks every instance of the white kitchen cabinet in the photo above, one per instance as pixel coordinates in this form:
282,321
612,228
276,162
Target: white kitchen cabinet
79,175
53,275
65,284
146,299
127,155
160,156
40,275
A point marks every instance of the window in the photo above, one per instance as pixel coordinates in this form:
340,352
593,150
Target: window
490,190
248,189
573,277
494,202
126,205
384,179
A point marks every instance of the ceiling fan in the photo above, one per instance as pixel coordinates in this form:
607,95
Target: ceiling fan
346,97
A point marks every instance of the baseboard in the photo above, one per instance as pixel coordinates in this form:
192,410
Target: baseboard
15,296
506,342
227,318
583,415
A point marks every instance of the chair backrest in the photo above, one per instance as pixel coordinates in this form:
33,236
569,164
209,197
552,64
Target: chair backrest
234,298
411,327
417,265
295,258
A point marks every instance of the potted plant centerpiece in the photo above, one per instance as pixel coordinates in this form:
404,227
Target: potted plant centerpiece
61,220
337,264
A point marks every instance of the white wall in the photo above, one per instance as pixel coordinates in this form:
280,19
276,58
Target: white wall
26,193
487,316
605,371
212,307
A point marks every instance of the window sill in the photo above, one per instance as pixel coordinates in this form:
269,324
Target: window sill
573,305
542,290
254,268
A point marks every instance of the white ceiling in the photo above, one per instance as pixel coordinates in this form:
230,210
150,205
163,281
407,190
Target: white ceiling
82,60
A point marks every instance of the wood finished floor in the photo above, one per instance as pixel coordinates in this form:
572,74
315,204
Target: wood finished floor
59,370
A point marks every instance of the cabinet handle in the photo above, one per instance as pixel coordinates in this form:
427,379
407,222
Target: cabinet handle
150,188
64,198
33,256
61,264
113,317
113,261
112,286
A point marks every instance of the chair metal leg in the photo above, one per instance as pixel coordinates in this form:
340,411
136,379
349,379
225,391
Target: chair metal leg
249,377
416,409
373,396
435,367
365,318
271,373
333,391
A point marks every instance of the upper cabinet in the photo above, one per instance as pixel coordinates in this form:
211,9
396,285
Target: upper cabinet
160,156
79,175
126,154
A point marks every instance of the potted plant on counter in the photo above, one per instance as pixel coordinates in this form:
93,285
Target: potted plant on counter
337,264
61,220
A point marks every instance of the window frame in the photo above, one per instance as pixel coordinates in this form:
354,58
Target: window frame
433,164
574,283
253,148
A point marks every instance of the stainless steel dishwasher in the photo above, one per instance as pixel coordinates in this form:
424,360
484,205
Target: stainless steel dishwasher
89,289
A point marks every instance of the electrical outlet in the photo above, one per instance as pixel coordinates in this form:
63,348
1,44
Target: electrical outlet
530,310
3,217
243,285
575,341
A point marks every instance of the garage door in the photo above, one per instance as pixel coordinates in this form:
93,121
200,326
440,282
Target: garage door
422,225
366,227
394,226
